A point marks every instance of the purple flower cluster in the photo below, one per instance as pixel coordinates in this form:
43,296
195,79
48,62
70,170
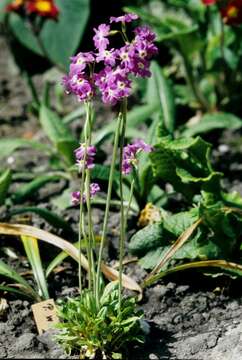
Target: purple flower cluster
80,156
130,155
113,79
85,159
76,195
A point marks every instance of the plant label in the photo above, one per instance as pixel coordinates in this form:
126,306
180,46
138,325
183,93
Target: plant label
45,315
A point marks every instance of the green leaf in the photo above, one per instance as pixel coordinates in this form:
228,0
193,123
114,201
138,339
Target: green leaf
159,88
146,239
171,25
9,145
58,133
101,172
75,114
210,122
233,199
27,190
153,257
182,162
178,223
58,260
32,251
60,38
10,273
5,181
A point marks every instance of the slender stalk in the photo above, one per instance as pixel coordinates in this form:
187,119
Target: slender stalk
32,89
88,201
122,217
105,221
82,233
131,193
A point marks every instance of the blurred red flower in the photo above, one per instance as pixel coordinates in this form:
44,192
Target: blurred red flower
43,8
209,2
232,12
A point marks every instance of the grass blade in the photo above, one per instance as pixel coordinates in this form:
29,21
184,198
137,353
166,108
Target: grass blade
58,260
10,273
5,181
32,251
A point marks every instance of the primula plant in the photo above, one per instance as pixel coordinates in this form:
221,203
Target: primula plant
101,320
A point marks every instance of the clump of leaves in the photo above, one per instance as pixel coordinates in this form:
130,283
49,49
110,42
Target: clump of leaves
185,164
99,331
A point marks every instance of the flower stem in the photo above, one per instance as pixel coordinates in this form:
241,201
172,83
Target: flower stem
90,243
108,202
122,217
131,193
82,232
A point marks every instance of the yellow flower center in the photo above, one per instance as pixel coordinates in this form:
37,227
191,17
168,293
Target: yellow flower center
44,6
18,3
233,12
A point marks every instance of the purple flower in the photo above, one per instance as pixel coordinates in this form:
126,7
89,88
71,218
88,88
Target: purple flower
113,84
125,18
75,198
77,84
140,67
80,61
107,56
144,33
80,155
76,195
94,189
145,49
100,39
130,155
126,54
113,79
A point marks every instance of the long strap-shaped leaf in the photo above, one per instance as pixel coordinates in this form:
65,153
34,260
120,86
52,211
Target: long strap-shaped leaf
23,285
27,230
31,247
177,245
222,264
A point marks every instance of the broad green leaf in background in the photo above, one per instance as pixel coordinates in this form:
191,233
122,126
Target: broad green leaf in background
9,145
32,251
5,181
29,189
60,38
170,25
58,133
159,90
178,223
213,121
146,239
3,5
183,162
